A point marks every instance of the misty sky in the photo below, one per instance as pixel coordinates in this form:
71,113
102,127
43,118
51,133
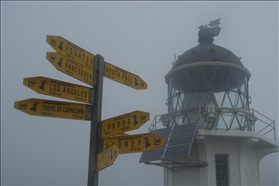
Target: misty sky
141,37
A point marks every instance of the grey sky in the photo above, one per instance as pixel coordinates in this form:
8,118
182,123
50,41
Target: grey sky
140,37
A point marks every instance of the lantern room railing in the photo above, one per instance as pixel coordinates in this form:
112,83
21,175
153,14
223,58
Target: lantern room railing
218,118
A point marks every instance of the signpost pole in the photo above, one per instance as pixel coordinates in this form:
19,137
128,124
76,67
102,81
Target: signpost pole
96,117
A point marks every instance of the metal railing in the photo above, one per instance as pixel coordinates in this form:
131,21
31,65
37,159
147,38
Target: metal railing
265,122
253,121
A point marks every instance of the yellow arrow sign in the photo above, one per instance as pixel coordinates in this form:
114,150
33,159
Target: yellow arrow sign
71,67
125,122
70,50
115,135
107,157
58,109
122,76
135,143
61,89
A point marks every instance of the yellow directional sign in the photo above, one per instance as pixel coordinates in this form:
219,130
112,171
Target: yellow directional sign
70,50
116,135
125,122
135,143
71,67
58,109
107,157
61,89
122,76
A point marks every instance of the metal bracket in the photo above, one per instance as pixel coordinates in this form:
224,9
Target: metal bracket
96,63
88,112
99,145
95,79
91,95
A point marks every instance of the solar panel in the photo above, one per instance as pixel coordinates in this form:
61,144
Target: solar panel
189,128
152,155
157,153
163,132
179,140
177,151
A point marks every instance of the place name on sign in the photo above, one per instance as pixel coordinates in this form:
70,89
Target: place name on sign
56,89
122,76
71,50
135,143
125,122
71,67
106,157
51,108
122,123
60,89
118,73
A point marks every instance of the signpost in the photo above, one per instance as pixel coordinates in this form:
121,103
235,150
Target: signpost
134,143
122,123
61,89
93,175
71,68
107,157
106,137
122,76
58,109
70,50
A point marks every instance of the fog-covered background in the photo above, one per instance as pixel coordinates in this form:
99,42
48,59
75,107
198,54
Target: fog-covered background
141,37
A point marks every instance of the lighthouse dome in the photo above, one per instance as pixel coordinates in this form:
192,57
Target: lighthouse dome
207,67
207,51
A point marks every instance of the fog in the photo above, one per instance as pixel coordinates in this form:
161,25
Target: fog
140,37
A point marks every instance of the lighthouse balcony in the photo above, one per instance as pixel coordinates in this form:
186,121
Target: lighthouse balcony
217,118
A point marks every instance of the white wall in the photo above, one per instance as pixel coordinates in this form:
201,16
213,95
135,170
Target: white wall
243,149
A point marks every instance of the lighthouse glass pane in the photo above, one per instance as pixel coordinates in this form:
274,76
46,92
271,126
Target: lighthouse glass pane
234,99
209,73
193,74
225,72
239,77
201,83
231,83
219,96
217,83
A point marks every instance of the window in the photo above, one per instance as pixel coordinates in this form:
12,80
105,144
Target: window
222,169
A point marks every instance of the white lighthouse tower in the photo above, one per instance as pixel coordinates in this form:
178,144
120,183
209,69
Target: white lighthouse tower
210,127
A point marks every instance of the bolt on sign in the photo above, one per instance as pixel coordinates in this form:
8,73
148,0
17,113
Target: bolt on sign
70,50
134,143
71,68
125,122
57,109
107,157
61,89
122,76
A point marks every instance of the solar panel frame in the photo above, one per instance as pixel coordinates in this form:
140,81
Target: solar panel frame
179,141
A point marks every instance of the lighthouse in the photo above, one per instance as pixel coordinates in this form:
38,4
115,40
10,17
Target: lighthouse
210,127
